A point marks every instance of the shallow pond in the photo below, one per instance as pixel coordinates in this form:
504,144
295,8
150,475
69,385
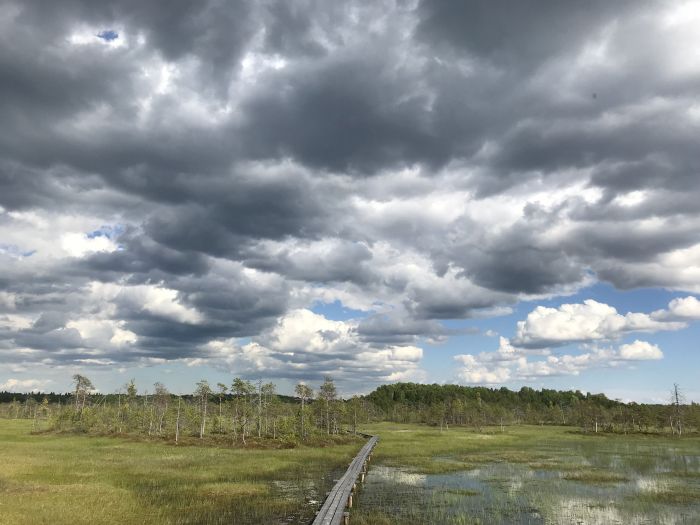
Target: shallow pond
585,484
310,488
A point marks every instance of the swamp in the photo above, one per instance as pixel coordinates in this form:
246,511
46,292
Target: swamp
524,474
529,475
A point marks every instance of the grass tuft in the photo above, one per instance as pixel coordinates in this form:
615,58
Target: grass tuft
595,476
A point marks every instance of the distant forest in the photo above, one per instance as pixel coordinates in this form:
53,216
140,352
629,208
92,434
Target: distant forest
246,409
481,406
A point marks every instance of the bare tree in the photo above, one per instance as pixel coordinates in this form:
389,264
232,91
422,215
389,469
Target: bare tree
202,393
221,394
242,391
177,421
327,392
304,393
130,405
83,387
161,396
260,394
268,394
355,407
676,417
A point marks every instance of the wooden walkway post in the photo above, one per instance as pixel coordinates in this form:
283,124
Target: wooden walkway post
333,510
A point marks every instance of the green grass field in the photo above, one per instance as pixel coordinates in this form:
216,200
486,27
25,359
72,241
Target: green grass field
72,479
418,475
528,475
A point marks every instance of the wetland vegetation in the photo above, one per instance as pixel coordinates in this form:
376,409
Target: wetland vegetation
57,479
244,454
529,475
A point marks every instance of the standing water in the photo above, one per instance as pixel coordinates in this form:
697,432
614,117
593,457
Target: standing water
594,482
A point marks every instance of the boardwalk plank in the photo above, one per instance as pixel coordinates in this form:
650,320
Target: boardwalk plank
333,507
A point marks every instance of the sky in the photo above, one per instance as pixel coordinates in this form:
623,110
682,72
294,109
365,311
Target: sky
433,191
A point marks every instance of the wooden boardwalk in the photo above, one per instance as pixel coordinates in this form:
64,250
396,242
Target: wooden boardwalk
333,510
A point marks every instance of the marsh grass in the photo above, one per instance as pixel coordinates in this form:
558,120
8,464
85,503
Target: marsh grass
595,476
215,440
463,492
75,479
528,475
679,495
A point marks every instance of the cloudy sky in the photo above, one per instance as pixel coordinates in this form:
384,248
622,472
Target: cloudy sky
423,190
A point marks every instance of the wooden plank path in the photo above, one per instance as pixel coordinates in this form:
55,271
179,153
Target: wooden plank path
333,510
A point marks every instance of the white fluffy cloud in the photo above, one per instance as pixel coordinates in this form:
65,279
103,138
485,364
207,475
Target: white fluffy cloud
24,385
589,321
80,244
484,368
155,299
101,331
640,351
589,324
473,371
682,308
40,237
306,344
506,352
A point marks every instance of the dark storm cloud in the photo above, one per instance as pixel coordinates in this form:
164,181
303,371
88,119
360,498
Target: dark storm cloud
252,155
238,303
337,261
525,269
213,30
633,244
453,302
139,254
59,339
521,34
545,147
357,116
289,27
402,329
235,211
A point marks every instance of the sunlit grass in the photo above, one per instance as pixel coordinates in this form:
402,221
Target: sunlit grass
595,476
99,480
677,495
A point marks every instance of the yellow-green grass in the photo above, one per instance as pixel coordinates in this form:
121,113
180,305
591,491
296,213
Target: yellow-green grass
595,476
429,450
75,479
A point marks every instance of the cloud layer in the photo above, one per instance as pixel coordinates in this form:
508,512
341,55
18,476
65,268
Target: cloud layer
187,182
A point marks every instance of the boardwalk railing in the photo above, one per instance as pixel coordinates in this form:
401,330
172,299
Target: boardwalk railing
333,510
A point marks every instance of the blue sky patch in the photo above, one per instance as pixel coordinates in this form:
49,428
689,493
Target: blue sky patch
109,231
108,35
15,251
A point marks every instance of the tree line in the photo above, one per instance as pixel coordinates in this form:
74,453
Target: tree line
244,410
235,412
444,405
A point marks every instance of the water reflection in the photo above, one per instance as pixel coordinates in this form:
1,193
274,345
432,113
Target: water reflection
583,484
